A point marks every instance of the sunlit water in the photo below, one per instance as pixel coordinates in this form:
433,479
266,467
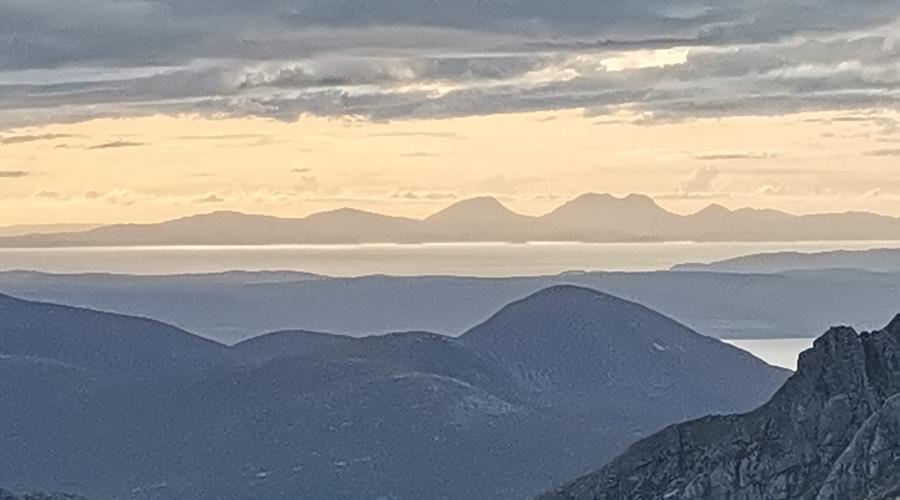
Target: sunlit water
469,259
778,352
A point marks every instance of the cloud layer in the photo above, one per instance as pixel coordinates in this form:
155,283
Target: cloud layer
388,59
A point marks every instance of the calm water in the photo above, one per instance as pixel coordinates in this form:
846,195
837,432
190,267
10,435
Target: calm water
778,352
470,259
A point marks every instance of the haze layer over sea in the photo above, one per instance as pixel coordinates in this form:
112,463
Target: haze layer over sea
463,259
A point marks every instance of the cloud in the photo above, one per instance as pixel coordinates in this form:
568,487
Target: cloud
48,195
22,139
219,137
884,153
117,145
423,195
702,180
689,196
666,61
306,184
13,174
735,156
208,198
431,135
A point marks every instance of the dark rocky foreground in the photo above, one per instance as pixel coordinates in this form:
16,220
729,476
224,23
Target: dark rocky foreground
8,495
832,432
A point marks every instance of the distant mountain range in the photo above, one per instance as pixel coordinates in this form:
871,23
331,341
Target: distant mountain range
832,432
24,229
119,407
883,260
590,218
231,307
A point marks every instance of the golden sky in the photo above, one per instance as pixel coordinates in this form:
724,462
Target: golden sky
288,108
161,167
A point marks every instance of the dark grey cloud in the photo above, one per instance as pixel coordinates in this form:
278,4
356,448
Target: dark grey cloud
69,61
13,174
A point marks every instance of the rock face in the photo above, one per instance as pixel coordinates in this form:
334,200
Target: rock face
832,432
8,495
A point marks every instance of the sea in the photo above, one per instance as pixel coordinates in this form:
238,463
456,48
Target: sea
458,259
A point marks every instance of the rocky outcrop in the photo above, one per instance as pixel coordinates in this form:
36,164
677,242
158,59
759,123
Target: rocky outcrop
832,432
8,495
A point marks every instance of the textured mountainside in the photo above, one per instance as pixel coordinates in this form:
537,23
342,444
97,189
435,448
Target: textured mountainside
832,432
405,416
582,349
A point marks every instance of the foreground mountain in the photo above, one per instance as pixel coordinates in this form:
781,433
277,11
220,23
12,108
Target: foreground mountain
582,349
590,217
832,432
883,260
298,414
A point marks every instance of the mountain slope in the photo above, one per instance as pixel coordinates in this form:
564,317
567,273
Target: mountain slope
97,341
829,433
595,353
885,260
289,415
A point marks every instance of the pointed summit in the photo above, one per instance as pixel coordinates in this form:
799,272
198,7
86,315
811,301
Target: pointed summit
481,209
478,219
713,209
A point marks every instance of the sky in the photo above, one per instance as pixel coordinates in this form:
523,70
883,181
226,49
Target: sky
122,110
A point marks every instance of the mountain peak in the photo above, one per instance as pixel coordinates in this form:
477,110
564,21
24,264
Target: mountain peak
221,215
894,326
482,208
634,209
589,347
633,199
714,209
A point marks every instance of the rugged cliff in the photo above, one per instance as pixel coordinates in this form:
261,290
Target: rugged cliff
832,432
